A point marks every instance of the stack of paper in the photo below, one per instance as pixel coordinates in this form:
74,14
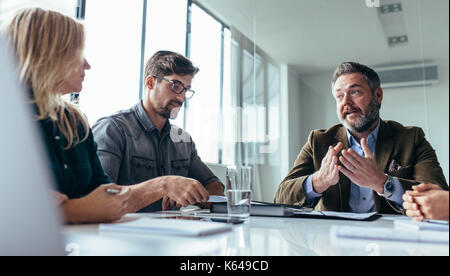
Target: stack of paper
167,226
431,225
217,199
388,234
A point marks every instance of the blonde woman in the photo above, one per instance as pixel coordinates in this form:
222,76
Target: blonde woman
49,48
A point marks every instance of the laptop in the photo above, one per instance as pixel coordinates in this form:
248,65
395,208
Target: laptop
29,222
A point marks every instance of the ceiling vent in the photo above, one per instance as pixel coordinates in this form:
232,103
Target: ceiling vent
419,74
393,22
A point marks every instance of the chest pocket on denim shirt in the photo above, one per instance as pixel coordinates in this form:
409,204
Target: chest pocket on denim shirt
180,167
142,169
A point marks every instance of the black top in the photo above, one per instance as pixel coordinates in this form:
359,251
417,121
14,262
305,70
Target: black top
78,170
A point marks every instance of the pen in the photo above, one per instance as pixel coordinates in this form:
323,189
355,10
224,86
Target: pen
442,222
113,191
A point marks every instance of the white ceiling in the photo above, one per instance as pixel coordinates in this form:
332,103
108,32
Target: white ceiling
315,35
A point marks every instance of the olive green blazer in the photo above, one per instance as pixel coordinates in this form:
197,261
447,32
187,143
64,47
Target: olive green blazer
401,152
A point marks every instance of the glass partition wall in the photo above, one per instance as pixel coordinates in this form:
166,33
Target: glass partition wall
266,68
283,55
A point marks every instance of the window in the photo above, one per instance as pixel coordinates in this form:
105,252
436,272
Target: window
234,110
228,133
8,7
113,47
254,108
272,141
204,109
162,34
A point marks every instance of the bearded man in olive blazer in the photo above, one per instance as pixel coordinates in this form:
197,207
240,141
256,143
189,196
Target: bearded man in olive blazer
364,164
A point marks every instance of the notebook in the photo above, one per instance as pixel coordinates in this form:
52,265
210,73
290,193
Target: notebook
172,225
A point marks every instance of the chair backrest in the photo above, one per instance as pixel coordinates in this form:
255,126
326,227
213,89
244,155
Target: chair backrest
219,170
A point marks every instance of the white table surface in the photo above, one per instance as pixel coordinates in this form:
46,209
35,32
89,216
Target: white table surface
259,236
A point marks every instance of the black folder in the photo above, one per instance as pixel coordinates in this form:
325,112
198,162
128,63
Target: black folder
281,210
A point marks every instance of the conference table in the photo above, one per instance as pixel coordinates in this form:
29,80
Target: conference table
258,236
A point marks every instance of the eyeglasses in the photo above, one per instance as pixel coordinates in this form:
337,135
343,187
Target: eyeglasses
178,87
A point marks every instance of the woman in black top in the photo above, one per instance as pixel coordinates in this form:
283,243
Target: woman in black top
49,49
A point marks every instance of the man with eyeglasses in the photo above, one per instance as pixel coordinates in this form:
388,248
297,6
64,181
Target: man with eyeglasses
140,143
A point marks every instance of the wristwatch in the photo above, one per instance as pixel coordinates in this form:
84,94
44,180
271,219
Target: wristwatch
388,187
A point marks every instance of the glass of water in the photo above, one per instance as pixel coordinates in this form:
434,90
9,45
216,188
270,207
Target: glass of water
238,191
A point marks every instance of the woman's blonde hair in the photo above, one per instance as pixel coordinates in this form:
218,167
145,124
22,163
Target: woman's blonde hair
48,46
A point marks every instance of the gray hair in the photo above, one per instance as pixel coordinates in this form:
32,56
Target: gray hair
369,74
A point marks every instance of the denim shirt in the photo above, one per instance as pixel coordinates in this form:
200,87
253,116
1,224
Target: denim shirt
132,150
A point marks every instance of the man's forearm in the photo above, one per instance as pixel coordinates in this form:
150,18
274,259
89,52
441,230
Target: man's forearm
215,188
145,193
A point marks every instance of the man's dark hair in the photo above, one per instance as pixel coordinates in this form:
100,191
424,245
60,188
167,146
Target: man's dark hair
369,74
166,63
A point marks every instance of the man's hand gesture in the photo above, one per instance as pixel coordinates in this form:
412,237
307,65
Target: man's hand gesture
362,170
328,174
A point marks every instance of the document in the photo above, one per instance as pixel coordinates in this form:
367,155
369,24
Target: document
388,234
338,215
431,225
175,225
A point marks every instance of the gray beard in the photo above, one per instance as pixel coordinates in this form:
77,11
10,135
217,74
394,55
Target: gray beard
365,121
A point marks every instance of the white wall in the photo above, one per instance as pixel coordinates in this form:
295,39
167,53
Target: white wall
426,107
292,115
318,105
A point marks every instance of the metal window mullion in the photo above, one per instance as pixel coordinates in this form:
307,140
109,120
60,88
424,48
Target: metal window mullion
222,61
143,36
80,9
80,12
187,50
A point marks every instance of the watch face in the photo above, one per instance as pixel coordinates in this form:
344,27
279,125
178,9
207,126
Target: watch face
389,187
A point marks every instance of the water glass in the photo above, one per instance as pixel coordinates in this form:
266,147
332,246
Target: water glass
238,191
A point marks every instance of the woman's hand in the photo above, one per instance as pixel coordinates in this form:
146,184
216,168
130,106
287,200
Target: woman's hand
98,206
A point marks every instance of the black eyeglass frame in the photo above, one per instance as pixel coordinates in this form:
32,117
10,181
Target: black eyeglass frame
189,92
